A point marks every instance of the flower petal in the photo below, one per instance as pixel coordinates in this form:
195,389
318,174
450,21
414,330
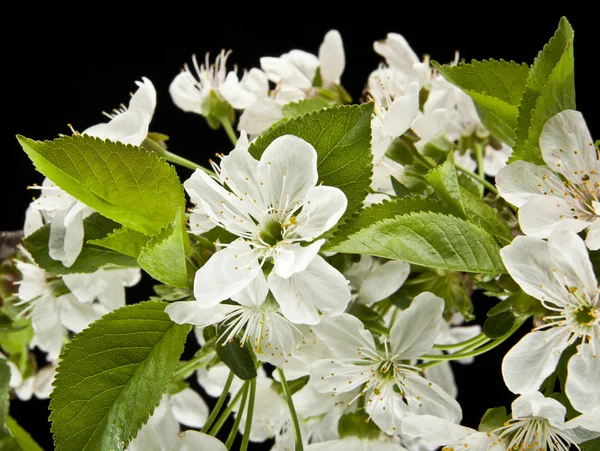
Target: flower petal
322,209
430,125
532,359
256,82
192,312
130,127
144,98
443,376
278,342
434,430
583,380
226,273
194,440
33,281
495,159
42,382
416,328
47,328
306,62
541,215
294,258
386,408
86,287
402,112
185,94
278,69
397,52
345,335
239,172
426,398
66,241
331,58
320,282
535,404
259,116
522,181
567,146
235,94
383,281
288,167
33,220
189,408
592,240
255,293
75,315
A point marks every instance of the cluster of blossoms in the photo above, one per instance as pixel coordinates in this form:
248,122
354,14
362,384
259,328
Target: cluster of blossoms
366,353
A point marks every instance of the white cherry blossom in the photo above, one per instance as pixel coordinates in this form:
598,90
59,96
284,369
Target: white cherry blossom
38,384
565,193
274,206
358,363
558,273
493,159
356,444
374,280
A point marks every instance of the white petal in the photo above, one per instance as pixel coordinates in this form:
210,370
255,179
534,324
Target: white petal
144,98
329,376
588,422
256,82
386,409
130,127
567,146
25,391
430,125
189,408
529,262
239,172
288,168
255,293
592,239
532,359
306,62
192,312
260,116
278,342
309,402
344,335
235,94
185,94
270,414
353,444
85,287
434,430
402,112
33,220
331,58
33,283
442,375
194,441
322,209
383,281
226,273
583,378
213,380
278,69
76,315
494,159
42,382
465,160
16,378
426,398
287,93
521,181
294,258
66,241
416,328
397,52
159,432
320,282
47,328
541,215
537,405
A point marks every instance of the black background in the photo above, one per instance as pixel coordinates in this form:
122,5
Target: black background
67,68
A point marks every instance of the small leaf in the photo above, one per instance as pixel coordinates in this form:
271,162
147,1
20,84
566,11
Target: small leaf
492,419
125,241
399,189
445,183
127,184
91,258
238,358
481,214
498,325
165,256
400,152
304,106
342,138
18,439
112,376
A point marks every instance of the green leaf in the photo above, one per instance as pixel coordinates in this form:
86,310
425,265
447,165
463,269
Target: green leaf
125,241
498,325
165,256
400,152
550,90
342,138
496,87
304,106
238,358
493,418
91,258
519,301
399,189
445,183
17,439
357,424
428,239
591,445
481,214
112,376
4,398
128,184
561,367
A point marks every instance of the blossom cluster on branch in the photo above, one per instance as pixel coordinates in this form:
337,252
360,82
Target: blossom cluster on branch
325,266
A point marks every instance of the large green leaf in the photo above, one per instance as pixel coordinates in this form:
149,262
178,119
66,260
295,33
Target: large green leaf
124,241
342,139
128,184
550,90
112,376
91,258
165,256
444,181
496,87
428,239
304,106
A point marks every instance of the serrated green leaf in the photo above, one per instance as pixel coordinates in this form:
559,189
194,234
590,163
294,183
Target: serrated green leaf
481,214
128,184
238,358
112,376
304,106
428,239
498,325
496,87
165,256
125,241
17,439
444,181
492,419
550,89
342,138
91,258
381,211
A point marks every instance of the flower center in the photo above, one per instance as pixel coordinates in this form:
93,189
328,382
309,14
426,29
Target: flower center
272,232
585,315
533,434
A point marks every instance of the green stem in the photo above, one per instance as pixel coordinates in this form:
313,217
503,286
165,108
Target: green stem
228,129
418,156
249,414
219,403
290,403
195,362
155,147
223,417
462,344
479,157
479,178
238,419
